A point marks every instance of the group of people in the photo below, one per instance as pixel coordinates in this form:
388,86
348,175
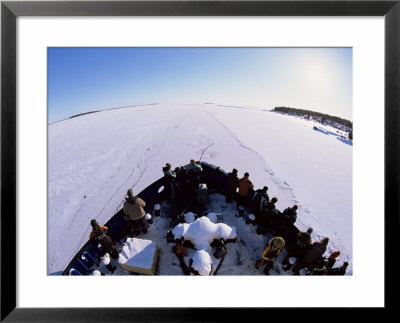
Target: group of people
308,256
192,181
304,257
134,213
266,215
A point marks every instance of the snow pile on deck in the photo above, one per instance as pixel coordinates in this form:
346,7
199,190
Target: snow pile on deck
138,255
202,262
202,232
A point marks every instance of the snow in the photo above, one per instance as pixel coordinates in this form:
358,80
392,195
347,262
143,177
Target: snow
105,260
202,232
202,263
189,217
213,217
138,253
93,159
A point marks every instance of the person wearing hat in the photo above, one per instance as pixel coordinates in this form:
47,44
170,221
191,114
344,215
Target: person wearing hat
134,210
106,243
259,202
96,229
268,217
288,218
268,256
192,175
291,213
299,249
232,185
169,181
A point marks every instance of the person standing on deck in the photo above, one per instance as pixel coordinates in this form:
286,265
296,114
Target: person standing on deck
107,246
244,186
232,185
299,249
313,255
192,174
259,202
134,210
169,179
270,253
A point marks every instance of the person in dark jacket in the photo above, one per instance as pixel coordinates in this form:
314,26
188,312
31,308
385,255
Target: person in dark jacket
134,209
287,218
193,175
259,202
330,262
99,233
97,229
291,213
319,269
299,249
169,180
339,271
244,186
313,255
324,265
232,185
268,216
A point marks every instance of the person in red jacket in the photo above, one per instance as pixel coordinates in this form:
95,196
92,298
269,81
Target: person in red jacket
107,246
244,186
96,229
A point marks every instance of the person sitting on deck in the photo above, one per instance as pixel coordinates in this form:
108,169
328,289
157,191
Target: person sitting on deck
169,180
192,174
232,185
134,210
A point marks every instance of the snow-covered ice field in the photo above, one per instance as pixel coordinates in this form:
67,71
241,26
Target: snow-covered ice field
94,158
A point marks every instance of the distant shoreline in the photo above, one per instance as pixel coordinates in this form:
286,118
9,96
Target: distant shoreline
326,119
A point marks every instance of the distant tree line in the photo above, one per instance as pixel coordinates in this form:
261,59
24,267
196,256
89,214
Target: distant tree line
82,114
323,118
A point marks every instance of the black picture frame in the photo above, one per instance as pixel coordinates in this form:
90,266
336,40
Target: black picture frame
10,10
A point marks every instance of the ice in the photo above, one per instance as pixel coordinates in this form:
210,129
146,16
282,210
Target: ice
101,155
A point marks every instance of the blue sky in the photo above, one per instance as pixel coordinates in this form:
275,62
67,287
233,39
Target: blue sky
87,79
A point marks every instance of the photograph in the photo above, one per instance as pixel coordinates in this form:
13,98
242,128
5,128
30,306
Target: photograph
200,161
197,160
